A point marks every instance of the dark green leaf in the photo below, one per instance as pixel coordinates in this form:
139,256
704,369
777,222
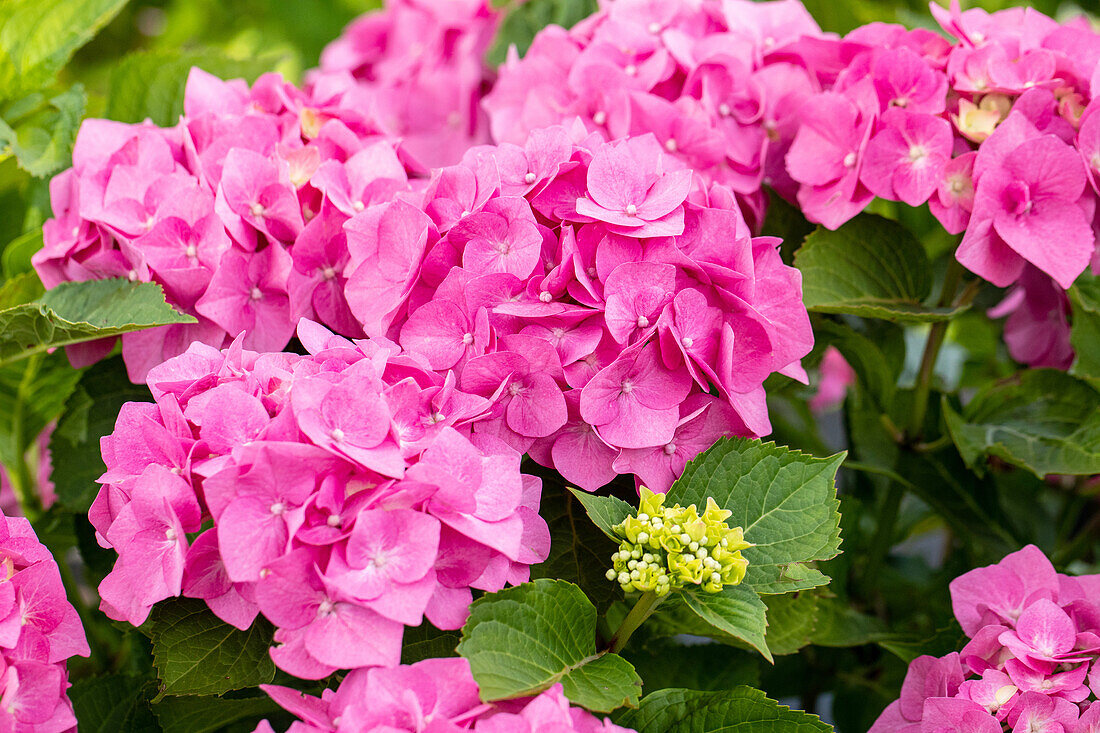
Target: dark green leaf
427,642
84,311
740,710
663,663
522,640
785,501
526,19
604,511
579,551
876,354
1085,334
196,653
149,84
38,37
870,267
792,618
32,394
114,704
89,415
206,713
1043,420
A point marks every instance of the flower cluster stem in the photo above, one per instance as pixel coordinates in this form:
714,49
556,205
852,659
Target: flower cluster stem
642,610
932,347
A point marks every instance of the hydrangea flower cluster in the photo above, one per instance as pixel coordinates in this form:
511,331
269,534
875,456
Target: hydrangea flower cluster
348,498
997,132
665,548
417,68
720,83
1032,662
39,631
236,211
610,303
432,695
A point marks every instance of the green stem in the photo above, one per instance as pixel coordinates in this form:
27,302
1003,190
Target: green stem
883,538
932,347
22,479
637,616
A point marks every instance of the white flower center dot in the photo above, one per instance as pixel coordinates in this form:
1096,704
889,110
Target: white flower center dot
530,178
257,209
631,210
849,160
467,338
643,322
337,434
600,117
687,341
255,293
358,206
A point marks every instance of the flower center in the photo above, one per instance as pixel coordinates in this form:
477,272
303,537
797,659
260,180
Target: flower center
515,388
257,209
688,342
643,322
337,435
626,387
1017,198
467,338
631,210
358,206
191,251
918,155
530,178
170,534
334,520
545,296
724,110
328,272
671,145
849,160
600,117
255,293
670,448
278,508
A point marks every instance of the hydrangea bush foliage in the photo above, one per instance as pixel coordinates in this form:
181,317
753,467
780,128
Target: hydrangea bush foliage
553,365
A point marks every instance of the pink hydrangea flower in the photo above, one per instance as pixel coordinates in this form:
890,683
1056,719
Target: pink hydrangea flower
39,631
1031,664
593,310
348,496
432,695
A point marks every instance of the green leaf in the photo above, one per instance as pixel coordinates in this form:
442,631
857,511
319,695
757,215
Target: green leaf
1085,333
1043,420
113,704
32,394
149,84
17,254
84,311
90,413
579,551
784,500
740,710
522,640
526,19
792,618
196,653
205,714
427,642
604,511
737,610
876,354
38,37
20,289
42,139
870,267
664,662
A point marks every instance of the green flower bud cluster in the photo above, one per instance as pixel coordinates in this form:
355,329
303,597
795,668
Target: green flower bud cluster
664,548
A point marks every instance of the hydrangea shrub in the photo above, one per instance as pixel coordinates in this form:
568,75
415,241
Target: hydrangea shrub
660,366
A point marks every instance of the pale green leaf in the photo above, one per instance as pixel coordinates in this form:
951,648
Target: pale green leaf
38,37
42,138
150,84
605,511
